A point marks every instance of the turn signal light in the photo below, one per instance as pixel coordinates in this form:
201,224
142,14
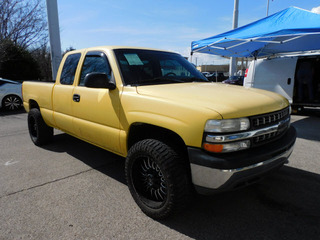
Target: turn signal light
217,148
227,147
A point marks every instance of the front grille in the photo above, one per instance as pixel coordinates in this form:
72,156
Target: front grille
269,119
264,137
265,120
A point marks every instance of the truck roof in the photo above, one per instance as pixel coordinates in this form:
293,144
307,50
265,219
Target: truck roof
117,47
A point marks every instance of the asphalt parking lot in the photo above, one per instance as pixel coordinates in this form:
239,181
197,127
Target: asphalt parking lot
72,190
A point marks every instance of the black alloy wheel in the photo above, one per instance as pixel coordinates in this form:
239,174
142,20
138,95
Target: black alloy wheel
149,181
157,179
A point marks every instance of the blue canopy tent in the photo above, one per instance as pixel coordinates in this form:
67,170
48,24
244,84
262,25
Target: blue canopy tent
287,31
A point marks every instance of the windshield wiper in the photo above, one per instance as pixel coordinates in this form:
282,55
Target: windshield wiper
195,79
170,79
158,80
161,80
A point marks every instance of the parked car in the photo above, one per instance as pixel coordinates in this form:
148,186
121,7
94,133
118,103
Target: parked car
10,94
207,74
217,77
234,80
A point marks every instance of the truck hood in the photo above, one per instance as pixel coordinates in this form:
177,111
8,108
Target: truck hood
228,100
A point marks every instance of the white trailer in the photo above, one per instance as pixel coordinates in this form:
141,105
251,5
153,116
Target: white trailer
295,77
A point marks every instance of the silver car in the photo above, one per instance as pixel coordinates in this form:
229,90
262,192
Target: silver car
10,94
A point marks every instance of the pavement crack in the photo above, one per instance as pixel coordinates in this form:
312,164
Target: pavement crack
46,183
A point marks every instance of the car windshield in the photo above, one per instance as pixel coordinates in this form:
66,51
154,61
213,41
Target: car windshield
147,67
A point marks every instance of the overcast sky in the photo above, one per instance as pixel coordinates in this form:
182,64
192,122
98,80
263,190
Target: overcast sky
163,24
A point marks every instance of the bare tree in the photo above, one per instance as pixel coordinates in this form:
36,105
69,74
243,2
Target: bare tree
41,55
68,50
23,27
22,22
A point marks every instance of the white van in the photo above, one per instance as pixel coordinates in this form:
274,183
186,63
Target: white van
295,77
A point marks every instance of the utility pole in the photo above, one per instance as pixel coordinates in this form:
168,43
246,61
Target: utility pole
54,35
233,60
267,8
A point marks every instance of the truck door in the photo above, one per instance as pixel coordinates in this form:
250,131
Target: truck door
276,75
62,94
96,109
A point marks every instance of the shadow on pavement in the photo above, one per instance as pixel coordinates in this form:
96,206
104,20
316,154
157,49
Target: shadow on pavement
8,113
95,157
285,205
308,128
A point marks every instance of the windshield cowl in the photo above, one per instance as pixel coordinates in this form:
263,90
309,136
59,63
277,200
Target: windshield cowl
163,80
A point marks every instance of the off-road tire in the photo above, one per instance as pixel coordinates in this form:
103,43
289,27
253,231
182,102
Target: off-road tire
39,131
152,166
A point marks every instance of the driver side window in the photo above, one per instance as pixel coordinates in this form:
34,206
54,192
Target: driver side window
94,62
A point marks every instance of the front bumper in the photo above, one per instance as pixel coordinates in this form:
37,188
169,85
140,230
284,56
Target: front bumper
219,172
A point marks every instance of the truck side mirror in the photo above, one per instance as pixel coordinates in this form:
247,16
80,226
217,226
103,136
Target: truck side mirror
98,80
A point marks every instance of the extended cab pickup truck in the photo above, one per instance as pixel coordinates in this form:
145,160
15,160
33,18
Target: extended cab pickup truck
178,131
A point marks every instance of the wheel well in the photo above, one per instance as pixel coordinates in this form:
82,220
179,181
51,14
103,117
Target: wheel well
33,104
140,131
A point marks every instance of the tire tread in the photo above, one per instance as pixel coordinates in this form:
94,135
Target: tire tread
177,174
44,133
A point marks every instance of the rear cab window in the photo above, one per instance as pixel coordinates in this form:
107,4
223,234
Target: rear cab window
69,69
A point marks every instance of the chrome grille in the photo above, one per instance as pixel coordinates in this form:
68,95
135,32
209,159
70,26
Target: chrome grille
264,137
269,119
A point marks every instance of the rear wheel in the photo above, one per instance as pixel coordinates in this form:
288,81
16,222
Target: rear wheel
11,102
157,180
39,131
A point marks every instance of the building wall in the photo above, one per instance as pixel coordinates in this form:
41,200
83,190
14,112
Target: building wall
213,68
222,68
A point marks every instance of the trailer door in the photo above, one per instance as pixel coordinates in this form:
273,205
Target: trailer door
276,75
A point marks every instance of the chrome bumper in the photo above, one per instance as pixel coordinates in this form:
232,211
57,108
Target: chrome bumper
214,179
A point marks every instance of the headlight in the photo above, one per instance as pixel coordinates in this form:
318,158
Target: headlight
227,125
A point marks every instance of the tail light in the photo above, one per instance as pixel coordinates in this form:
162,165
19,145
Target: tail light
245,75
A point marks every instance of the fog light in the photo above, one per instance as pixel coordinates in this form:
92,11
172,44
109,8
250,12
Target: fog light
227,147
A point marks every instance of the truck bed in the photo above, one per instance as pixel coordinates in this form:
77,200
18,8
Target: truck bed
40,92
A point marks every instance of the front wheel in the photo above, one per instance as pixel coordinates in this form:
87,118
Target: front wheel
156,178
39,131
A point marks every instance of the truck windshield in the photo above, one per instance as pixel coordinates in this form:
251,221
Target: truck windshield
147,67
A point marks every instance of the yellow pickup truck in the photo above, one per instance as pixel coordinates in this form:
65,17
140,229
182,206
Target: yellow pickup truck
178,131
